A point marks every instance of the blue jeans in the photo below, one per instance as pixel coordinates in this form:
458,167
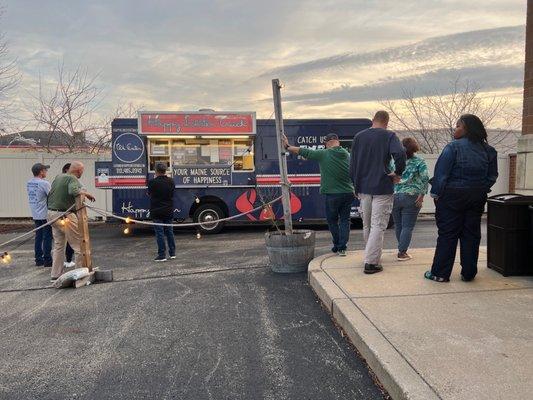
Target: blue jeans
404,213
338,216
43,243
458,215
162,232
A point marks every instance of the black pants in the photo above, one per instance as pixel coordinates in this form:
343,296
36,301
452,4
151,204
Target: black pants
69,253
458,215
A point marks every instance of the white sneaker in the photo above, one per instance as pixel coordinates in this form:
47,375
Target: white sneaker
69,264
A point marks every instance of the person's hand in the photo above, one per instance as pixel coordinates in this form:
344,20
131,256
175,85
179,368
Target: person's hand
395,178
419,201
90,197
285,141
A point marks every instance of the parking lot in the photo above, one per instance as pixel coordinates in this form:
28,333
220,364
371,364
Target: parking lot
214,323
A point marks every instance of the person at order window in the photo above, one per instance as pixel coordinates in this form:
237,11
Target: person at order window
335,184
465,172
408,196
161,191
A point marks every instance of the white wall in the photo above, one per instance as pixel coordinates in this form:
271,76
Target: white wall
501,186
15,171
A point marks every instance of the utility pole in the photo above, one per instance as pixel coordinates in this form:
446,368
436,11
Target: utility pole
280,132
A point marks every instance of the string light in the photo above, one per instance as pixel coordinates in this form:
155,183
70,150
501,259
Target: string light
63,221
128,220
6,257
198,235
197,200
126,231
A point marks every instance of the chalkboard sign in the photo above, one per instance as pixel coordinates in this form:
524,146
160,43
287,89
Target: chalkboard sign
201,175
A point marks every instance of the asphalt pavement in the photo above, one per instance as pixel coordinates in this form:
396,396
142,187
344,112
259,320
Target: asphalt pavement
215,323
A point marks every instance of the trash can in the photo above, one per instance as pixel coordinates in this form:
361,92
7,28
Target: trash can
509,234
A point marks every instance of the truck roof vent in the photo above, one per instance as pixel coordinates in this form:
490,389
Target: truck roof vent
206,110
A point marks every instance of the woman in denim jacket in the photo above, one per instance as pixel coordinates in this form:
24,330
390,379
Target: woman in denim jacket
408,196
466,170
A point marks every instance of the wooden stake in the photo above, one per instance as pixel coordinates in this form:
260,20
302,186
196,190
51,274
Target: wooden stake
83,227
280,132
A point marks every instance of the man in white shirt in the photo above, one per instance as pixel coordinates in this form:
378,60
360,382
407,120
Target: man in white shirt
38,188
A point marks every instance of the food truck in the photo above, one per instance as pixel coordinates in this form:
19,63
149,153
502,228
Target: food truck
222,164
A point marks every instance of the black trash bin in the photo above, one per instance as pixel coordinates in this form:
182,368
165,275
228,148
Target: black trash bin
509,234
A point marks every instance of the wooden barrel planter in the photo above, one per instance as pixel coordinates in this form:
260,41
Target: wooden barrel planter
290,253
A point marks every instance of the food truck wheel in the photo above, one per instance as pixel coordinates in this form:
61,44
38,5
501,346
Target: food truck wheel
207,213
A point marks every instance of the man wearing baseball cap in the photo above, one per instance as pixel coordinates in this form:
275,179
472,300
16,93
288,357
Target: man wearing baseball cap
335,184
38,188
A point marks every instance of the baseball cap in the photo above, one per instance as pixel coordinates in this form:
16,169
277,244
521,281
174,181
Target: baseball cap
38,168
331,136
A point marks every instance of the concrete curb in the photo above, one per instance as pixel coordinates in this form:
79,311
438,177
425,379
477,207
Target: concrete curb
397,376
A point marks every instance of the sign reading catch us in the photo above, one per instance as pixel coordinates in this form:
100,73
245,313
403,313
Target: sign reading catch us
203,123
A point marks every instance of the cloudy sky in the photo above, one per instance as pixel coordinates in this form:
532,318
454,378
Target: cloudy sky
337,58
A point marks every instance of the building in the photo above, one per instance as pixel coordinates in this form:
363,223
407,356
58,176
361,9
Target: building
47,141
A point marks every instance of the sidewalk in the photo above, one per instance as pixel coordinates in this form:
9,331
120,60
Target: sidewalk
427,340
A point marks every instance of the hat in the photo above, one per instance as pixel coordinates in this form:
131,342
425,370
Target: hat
331,136
161,167
37,168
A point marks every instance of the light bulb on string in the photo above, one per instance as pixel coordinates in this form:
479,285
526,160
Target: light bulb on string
5,257
63,221
197,200
198,235
126,231
128,220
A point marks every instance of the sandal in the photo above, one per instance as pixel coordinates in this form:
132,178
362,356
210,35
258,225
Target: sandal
431,277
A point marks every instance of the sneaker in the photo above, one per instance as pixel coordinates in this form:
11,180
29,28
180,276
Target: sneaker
69,264
172,257
334,250
372,268
160,259
342,253
404,256
466,279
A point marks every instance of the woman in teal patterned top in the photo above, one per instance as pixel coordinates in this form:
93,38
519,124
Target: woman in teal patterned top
408,197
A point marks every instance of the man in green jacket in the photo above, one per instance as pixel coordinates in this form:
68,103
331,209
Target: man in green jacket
335,184
65,189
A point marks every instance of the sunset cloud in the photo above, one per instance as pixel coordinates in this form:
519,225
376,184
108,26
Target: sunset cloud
336,58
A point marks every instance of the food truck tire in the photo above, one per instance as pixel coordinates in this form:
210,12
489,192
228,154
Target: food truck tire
209,212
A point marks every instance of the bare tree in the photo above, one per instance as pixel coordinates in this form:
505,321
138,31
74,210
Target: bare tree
432,117
67,108
9,79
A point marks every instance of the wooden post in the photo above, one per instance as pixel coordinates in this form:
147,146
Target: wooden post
280,132
83,227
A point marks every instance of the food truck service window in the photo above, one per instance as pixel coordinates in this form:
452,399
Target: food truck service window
203,151
159,152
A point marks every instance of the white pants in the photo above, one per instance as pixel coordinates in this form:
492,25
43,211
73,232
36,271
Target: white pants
376,210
